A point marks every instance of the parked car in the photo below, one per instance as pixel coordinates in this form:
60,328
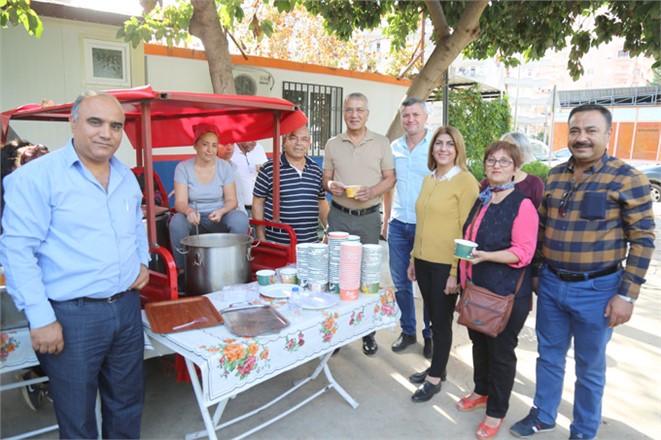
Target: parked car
560,156
653,173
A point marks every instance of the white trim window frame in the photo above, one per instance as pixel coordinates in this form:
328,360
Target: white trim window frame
107,63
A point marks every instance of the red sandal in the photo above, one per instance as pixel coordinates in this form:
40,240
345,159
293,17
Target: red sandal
485,432
465,404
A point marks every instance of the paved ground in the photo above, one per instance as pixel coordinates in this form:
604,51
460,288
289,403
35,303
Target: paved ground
631,410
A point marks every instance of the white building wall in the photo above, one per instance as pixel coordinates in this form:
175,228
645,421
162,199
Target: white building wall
53,67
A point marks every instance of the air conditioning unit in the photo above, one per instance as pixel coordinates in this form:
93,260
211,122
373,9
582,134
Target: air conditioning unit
252,81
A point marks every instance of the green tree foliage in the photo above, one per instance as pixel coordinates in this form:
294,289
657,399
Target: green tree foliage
537,168
18,12
480,121
503,29
509,28
656,77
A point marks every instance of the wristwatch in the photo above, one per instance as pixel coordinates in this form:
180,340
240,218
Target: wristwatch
628,299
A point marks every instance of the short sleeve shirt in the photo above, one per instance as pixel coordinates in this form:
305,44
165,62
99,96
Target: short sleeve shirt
299,199
358,165
204,197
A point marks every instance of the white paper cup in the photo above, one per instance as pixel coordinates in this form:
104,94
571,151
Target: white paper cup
288,276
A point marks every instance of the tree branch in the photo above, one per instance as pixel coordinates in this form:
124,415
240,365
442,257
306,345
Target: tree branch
206,26
437,16
447,49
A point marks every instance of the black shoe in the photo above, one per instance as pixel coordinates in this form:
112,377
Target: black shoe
427,350
369,345
403,341
420,377
426,392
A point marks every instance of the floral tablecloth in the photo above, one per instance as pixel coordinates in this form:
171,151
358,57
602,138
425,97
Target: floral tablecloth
231,364
16,350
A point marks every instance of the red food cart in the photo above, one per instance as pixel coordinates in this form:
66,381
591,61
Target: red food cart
160,119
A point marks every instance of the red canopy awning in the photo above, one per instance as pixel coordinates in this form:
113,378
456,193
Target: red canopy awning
173,114
166,119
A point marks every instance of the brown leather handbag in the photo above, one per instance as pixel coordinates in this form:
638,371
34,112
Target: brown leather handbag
484,311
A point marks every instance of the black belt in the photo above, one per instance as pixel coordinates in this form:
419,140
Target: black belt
583,276
110,299
357,212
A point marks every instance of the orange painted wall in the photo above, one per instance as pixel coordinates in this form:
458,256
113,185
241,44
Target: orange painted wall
645,135
624,132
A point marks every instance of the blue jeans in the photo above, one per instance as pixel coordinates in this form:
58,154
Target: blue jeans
566,310
103,352
400,244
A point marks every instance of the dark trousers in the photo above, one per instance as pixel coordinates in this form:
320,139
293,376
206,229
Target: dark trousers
103,352
432,278
494,360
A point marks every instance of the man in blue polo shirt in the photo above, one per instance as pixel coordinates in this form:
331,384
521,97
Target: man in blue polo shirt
410,152
302,196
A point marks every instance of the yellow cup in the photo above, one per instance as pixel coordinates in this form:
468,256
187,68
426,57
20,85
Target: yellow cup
351,190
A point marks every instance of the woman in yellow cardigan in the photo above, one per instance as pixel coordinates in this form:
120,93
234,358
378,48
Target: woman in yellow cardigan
448,193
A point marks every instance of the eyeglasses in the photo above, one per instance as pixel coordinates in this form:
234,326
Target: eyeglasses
358,110
564,201
504,163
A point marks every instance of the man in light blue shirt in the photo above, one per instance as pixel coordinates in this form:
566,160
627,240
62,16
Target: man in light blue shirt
411,154
75,253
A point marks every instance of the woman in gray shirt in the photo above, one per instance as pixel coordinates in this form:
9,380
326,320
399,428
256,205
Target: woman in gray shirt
204,194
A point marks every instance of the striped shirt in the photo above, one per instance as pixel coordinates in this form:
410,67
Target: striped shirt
299,199
605,215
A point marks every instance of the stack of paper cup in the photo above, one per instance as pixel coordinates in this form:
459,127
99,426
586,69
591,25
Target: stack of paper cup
302,262
317,255
334,240
350,261
370,274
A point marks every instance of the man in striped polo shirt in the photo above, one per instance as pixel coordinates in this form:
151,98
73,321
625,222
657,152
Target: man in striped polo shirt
302,196
596,213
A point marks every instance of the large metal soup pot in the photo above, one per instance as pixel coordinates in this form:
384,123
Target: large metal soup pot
214,261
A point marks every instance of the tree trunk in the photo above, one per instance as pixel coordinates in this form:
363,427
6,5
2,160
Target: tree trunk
205,25
447,49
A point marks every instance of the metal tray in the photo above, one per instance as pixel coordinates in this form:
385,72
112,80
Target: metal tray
253,320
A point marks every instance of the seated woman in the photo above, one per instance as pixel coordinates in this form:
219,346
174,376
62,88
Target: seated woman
504,224
205,198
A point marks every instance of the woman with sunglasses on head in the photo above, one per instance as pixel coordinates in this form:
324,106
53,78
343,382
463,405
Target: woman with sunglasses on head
504,224
445,199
